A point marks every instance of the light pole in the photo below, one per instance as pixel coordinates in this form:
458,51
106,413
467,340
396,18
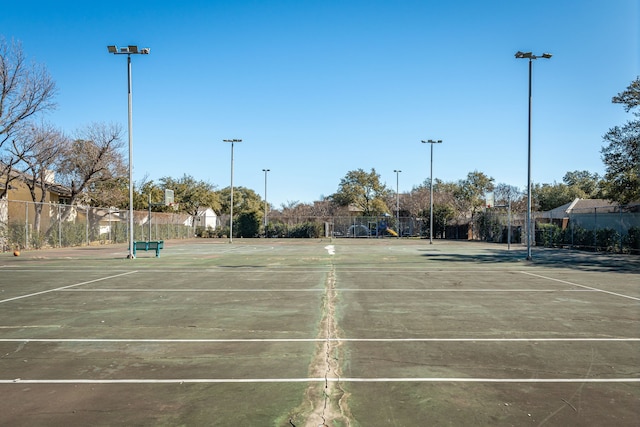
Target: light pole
232,141
397,171
129,50
431,141
530,57
265,200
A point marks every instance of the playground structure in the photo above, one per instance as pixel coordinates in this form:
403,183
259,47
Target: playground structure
383,227
372,229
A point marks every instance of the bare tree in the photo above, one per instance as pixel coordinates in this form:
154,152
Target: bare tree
40,148
505,193
94,160
25,89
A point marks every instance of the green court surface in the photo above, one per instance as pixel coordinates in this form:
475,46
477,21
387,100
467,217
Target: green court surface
342,332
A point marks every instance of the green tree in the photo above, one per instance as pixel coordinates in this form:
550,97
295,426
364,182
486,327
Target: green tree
473,190
550,196
442,214
244,200
248,224
143,190
363,190
586,181
191,195
622,154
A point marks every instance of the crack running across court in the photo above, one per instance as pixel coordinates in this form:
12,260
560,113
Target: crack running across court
327,400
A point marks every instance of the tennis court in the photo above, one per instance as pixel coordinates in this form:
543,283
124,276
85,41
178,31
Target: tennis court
342,332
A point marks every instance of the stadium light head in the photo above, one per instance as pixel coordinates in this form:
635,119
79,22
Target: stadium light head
530,56
431,141
520,54
131,49
231,140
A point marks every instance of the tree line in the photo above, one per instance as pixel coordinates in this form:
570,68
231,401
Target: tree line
90,164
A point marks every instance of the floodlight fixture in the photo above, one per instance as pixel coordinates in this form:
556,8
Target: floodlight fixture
431,141
129,50
530,57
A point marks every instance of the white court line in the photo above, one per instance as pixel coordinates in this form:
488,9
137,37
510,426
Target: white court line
460,290
194,290
213,269
289,340
322,290
307,380
581,286
65,287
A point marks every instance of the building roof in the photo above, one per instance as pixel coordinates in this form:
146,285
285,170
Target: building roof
582,205
51,186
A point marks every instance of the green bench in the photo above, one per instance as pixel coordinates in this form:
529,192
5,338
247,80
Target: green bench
153,245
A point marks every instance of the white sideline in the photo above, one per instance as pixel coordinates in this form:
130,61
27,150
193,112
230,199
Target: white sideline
290,340
66,287
581,286
323,380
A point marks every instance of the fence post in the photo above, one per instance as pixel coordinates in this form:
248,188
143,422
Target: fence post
621,226
59,227
572,225
26,225
87,223
595,228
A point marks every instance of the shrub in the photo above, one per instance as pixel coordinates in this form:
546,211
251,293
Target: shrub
306,229
607,239
548,235
633,239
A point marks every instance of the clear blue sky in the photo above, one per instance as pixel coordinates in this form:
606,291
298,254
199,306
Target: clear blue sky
318,88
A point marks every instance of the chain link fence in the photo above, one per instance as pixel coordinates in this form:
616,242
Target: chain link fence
603,229
28,225
352,227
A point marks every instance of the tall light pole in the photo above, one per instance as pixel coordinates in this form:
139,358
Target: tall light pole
265,200
129,50
431,141
232,141
397,171
530,57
